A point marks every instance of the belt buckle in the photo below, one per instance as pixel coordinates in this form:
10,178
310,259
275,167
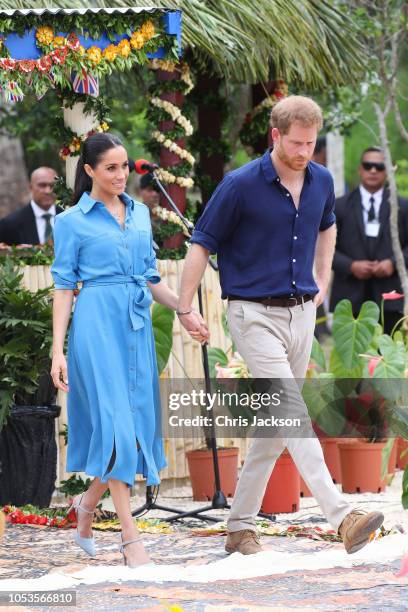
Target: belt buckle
292,297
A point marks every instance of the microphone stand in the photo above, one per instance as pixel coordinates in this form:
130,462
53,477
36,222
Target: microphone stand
219,501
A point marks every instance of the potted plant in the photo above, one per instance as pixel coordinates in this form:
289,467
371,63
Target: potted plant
28,450
357,396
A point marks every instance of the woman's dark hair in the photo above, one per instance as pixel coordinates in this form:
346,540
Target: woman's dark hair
93,149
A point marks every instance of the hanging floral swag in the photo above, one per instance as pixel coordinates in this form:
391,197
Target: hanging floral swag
63,55
256,122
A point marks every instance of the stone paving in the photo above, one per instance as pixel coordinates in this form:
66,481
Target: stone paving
30,552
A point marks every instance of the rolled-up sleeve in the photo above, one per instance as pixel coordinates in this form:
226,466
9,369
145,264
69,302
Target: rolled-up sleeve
64,269
219,218
328,217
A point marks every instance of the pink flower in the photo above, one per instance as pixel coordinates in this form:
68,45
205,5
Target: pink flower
404,568
372,364
392,295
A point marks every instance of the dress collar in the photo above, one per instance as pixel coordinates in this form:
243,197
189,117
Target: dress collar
86,203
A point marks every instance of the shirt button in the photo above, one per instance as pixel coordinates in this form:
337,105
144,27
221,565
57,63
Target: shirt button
294,237
293,282
277,180
297,214
288,194
294,260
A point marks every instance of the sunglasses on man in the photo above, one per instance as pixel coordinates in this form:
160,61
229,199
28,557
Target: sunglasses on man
379,166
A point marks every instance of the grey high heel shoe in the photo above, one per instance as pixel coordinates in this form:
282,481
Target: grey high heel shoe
87,544
122,545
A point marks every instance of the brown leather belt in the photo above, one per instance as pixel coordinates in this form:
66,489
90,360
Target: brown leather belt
286,301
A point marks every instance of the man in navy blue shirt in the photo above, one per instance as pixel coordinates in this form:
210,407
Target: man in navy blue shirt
270,222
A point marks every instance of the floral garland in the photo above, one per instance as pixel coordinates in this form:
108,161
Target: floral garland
256,122
172,146
169,177
169,66
169,216
174,112
64,55
73,148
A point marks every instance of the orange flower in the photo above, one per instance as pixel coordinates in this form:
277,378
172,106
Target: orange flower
148,30
110,53
137,40
59,41
45,35
94,54
124,48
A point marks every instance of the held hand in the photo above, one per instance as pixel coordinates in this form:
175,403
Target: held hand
363,268
319,297
59,373
384,268
196,326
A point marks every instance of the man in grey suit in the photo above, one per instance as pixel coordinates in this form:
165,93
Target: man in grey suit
364,263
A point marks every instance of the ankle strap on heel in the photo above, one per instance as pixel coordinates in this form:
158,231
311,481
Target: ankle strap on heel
126,542
77,506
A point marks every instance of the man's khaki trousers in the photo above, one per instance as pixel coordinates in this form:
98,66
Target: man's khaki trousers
275,342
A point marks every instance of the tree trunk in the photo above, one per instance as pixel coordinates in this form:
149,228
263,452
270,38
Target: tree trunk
259,92
13,176
396,245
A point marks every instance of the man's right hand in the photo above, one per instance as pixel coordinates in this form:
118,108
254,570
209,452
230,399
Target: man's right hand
363,268
196,326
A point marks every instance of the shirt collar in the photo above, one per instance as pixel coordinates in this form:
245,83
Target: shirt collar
39,212
269,169
366,195
86,203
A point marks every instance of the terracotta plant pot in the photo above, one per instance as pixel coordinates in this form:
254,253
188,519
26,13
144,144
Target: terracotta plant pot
200,465
392,461
332,457
283,489
402,462
361,466
304,489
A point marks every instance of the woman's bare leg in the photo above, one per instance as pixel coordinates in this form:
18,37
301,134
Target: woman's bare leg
135,553
89,501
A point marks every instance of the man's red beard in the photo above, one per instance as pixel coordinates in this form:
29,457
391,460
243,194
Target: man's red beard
295,163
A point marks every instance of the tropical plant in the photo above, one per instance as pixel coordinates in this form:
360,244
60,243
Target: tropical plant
25,342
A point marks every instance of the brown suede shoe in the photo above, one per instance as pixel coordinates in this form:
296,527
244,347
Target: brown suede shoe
245,541
357,527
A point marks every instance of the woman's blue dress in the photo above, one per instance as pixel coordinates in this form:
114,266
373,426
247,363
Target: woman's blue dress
114,417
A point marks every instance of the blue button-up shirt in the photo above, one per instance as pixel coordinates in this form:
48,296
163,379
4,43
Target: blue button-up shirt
265,245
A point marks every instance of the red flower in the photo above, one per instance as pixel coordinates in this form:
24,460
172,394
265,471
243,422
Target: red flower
26,65
59,55
73,42
44,63
278,95
392,295
7,63
404,568
372,364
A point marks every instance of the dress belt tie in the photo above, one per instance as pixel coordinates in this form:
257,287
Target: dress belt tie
140,297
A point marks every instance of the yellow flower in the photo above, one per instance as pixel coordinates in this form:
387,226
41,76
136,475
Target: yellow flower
104,126
94,54
81,50
137,40
45,35
59,41
124,48
110,53
147,30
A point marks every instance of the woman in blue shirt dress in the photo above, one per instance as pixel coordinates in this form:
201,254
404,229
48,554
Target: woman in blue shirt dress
114,432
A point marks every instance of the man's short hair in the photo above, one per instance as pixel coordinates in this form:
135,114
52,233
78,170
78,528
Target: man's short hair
296,109
146,182
369,150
